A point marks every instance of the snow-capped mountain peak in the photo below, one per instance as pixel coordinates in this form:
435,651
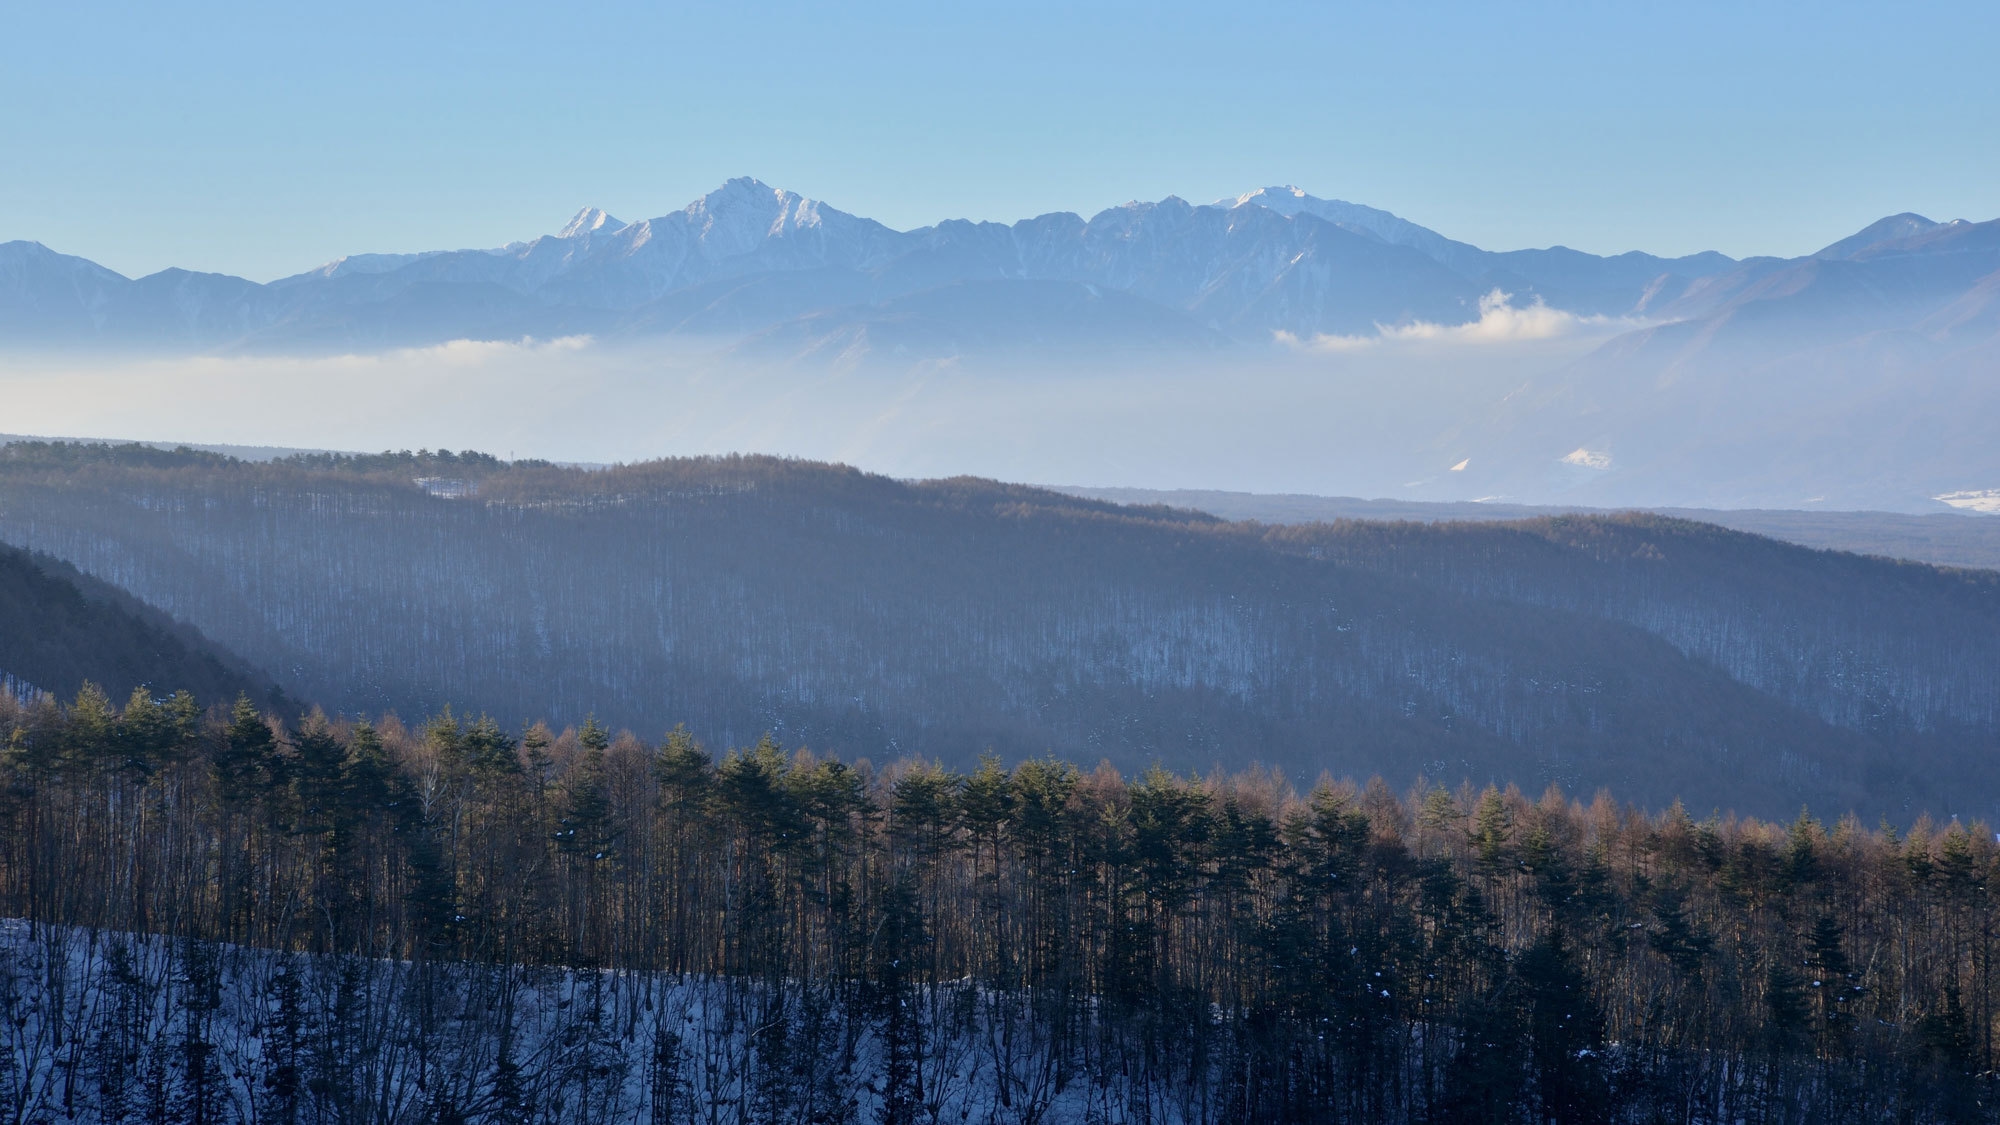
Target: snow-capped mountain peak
1289,200
1894,227
746,217
736,217
589,220
1285,200
735,195
1371,221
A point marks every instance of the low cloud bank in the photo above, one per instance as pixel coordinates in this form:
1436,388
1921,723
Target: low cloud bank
1500,322
1422,413
1985,500
1276,422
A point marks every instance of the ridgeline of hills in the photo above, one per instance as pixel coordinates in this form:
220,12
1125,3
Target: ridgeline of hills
60,629
867,616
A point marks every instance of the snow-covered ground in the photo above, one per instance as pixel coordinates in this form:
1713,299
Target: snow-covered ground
107,1027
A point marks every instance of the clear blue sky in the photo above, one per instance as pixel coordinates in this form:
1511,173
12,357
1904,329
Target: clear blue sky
261,139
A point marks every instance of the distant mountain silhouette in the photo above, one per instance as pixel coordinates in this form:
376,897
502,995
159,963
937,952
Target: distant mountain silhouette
749,258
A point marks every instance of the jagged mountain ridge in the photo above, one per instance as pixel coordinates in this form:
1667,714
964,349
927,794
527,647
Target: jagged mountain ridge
1271,260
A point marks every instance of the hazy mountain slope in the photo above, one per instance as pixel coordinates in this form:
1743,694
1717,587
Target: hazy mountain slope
1890,229
1629,284
870,616
1888,282
1864,379
59,628
1943,539
1569,279
46,297
1460,257
1064,319
750,303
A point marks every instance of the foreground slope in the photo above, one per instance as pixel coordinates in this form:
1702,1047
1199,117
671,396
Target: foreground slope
444,925
869,616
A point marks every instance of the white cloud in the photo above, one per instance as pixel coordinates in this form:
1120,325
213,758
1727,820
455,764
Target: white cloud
427,361
453,353
486,351
1974,500
1500,322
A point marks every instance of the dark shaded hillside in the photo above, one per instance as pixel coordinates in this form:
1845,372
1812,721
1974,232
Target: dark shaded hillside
1865,643
872,617
59,628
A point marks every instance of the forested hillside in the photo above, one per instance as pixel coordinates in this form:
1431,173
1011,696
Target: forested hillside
1955,539
871,617
240,920
60,629
1865,643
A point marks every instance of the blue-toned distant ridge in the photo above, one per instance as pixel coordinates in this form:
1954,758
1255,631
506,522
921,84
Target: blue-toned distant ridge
748,258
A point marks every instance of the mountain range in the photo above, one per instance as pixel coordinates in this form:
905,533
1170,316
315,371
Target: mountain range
1860,376
750,259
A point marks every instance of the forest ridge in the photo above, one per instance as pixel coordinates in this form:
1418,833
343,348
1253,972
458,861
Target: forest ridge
866,616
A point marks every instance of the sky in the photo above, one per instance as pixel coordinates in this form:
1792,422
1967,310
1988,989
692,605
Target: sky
262,139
